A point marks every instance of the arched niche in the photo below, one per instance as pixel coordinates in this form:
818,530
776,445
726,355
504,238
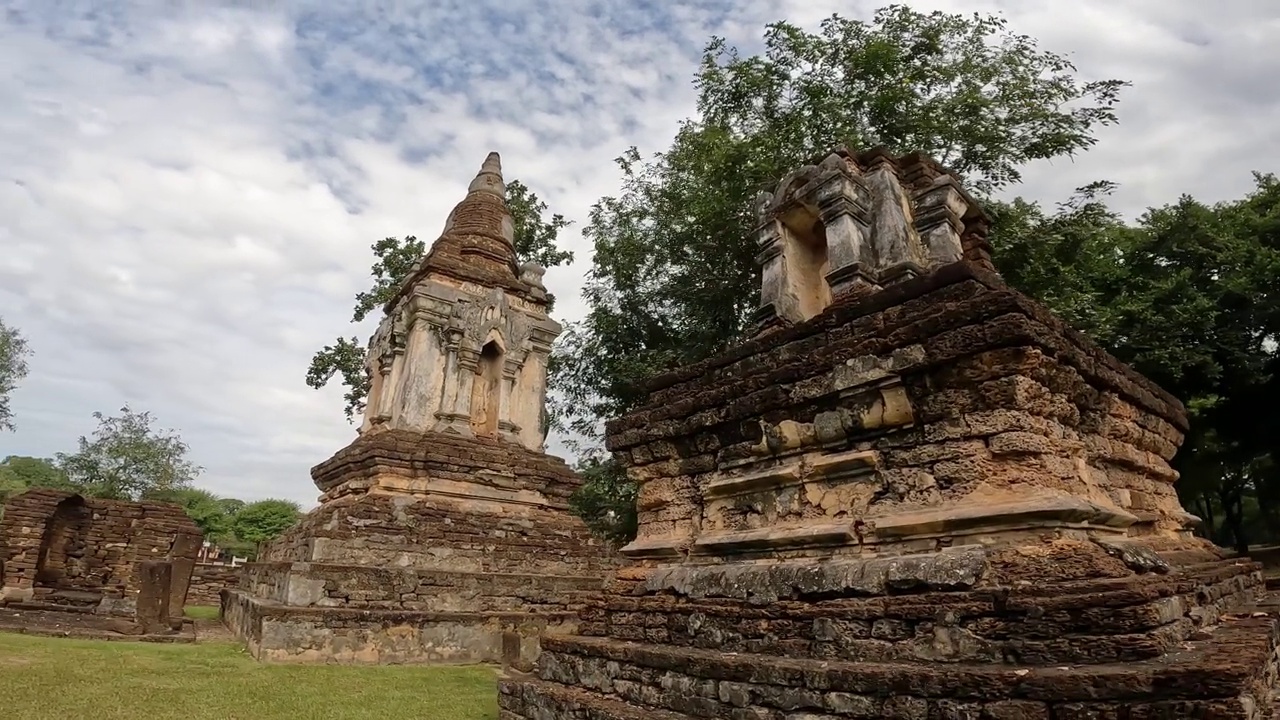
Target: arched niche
804,250
61,557
486,390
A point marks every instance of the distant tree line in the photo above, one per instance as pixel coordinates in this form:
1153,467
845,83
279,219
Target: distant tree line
126,459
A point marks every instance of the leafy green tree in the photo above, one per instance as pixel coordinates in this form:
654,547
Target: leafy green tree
607,499
13,368
127,459
19,473
264,520
1070,259
1199,315
535,239
230,506
207,509
536,236
1186,296
674,276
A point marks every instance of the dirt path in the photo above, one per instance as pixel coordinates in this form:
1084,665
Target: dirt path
212,631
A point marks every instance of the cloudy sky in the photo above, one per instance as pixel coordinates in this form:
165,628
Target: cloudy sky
188,194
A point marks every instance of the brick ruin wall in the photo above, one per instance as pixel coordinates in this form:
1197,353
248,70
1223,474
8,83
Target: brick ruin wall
207,582
965,638
640,682
425,548
59,540
368,588
1003,402
386,530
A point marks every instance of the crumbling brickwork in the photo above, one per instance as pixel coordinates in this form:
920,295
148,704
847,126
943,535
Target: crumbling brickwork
207,582
387,588
55,540
947,401
913,494
476,527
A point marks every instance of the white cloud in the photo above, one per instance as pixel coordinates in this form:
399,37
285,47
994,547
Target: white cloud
187,197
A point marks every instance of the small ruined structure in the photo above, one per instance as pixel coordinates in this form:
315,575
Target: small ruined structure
68,561
913,494
444,533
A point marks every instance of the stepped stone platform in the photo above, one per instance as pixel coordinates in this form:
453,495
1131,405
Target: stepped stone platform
913,494
393,571
444,533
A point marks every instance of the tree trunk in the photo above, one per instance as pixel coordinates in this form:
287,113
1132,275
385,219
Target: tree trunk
1205,507
1232,497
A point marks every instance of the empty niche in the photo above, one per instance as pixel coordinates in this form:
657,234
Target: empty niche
485,390
804,248
61,558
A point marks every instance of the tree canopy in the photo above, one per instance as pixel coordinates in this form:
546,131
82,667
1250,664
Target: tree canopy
258,522
1184,293
126,458
238,527
18,473
14,353
674,276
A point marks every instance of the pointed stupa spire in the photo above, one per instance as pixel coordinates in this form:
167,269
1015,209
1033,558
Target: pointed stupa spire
489,179
477,244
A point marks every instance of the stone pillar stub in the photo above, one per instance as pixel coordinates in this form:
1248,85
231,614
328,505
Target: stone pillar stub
182,557
155,580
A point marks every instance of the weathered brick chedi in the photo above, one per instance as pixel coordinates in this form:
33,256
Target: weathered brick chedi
444,533
913,494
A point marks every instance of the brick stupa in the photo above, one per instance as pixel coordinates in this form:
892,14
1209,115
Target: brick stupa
914,494
443,533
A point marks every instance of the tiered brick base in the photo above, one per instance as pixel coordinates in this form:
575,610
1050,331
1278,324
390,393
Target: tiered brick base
428,548
952,635
350,614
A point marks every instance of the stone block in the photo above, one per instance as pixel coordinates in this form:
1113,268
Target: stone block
155,580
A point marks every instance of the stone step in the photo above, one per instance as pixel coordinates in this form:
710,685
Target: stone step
362,636
52,607
1201,677
532,698
74,597
392,588
1089,623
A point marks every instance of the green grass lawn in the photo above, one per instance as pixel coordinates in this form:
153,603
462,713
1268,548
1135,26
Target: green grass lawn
58,678
202,612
